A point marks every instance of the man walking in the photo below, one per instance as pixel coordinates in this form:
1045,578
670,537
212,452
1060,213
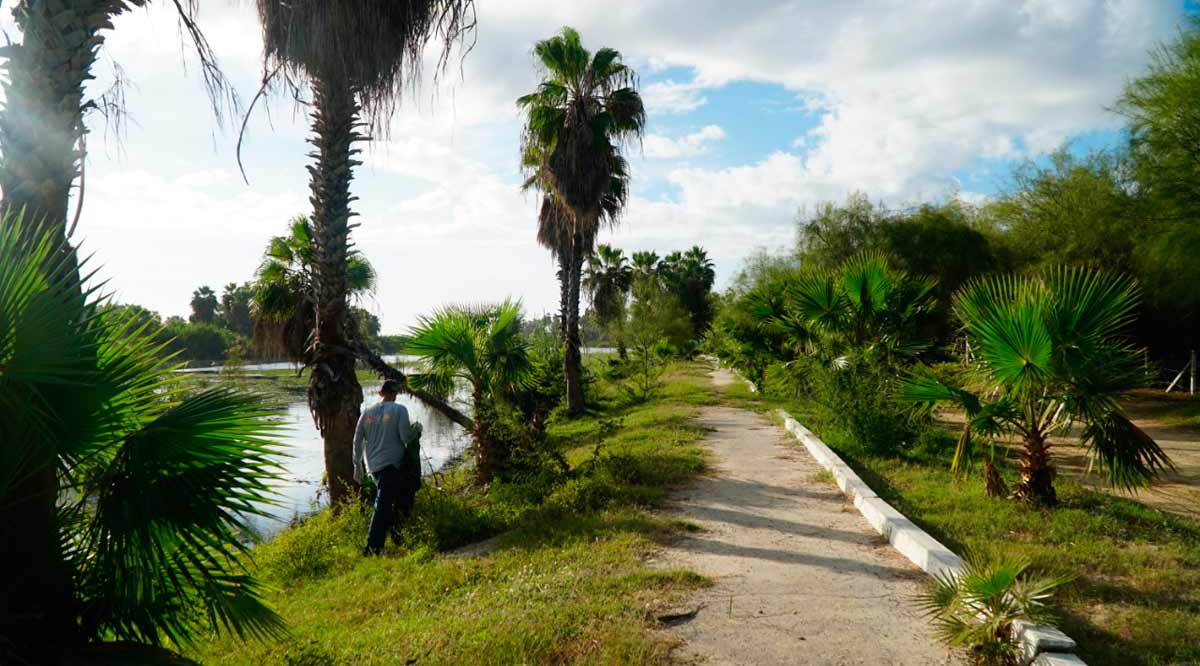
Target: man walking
383,435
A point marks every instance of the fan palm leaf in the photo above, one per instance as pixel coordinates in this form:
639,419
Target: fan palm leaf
1056,349
480,347
154,485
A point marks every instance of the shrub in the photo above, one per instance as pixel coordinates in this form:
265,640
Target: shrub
325,542
978,608
444,520
856,403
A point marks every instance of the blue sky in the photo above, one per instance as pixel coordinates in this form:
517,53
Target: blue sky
757,110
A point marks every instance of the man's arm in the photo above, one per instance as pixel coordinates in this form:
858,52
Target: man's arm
404,428
360,436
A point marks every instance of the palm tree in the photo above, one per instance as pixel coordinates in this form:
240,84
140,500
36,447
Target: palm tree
1053,351
483,347
583,110
865,308
980,607
356,57
645,266
691,276
607,280
42,130
151,487
284,307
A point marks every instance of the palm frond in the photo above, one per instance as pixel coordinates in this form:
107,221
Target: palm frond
169,521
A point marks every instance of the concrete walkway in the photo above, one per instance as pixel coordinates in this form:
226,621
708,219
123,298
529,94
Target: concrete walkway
800,576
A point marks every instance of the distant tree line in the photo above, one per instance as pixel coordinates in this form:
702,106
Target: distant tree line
224,327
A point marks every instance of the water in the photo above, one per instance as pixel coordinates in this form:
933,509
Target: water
297,493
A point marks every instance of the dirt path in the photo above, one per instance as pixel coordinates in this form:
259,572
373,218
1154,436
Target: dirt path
800,576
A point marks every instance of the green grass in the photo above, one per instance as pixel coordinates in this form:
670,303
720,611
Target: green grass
1135,600
563,578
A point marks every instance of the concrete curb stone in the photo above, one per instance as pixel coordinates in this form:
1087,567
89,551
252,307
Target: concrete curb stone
1041,645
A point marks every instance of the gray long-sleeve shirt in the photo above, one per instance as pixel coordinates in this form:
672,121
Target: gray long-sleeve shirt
382,433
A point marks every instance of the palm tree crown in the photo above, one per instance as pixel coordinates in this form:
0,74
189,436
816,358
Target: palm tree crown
483,348
1053,351
607,281
284,298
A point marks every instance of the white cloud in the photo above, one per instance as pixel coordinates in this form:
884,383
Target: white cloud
672,97
659,146
904,96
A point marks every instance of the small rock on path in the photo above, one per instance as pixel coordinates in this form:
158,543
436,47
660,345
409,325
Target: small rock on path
800,578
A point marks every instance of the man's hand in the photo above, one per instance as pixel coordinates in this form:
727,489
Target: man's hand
417,430
358,475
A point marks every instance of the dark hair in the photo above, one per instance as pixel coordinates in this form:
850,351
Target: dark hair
391,387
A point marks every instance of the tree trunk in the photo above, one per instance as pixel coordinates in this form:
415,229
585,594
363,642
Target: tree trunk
572,358
383,369
564,293
1037,473
41,131
995,486
334,395
490,456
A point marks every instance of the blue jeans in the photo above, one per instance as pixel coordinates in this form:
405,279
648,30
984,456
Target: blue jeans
388,484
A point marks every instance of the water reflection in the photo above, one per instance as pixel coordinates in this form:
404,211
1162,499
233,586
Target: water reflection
442,441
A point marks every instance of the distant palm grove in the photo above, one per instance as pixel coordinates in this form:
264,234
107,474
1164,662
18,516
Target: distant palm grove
126,497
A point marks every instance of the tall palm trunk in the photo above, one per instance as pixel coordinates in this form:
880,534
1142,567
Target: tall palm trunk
1037,473
334,394
564,292
572,358
41,132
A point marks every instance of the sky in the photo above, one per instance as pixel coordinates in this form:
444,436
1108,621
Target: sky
757,111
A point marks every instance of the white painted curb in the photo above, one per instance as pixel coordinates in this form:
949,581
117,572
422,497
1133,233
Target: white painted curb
1041,645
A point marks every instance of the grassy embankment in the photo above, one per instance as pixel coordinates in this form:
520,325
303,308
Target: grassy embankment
1136,598
561,581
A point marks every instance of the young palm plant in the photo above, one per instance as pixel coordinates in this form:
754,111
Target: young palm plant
866,309
483,348
608,279
582,112
151,486
357,57
979,607
1053,351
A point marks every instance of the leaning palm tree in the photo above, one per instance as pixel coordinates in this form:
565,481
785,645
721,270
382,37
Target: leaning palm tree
151,486
1053,351
607,279
584,109
356,56
483,348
